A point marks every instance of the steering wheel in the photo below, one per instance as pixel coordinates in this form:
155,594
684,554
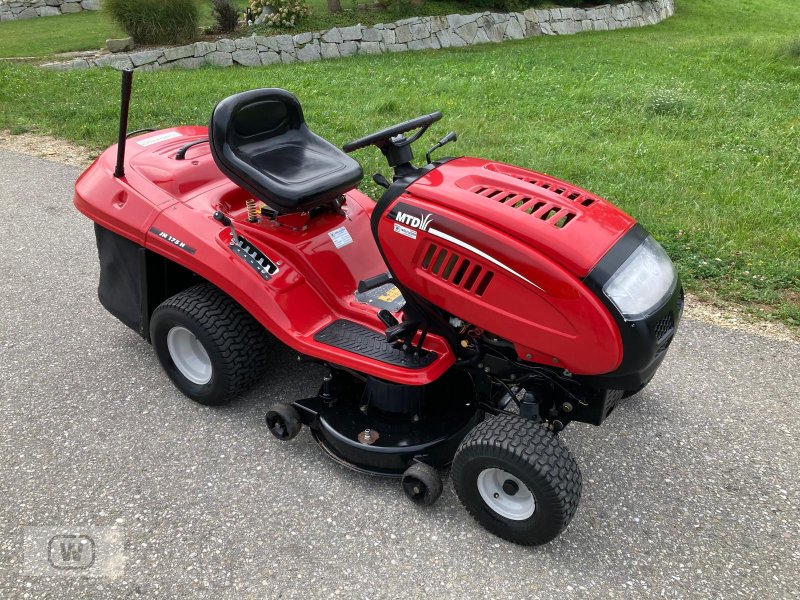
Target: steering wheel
382,137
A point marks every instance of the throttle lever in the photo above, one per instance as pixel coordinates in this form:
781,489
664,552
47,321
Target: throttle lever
450,137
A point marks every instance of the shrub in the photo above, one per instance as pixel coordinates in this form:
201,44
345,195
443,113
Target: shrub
155,21
284,13
225,14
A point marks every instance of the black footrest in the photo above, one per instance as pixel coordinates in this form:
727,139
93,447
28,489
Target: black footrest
358,339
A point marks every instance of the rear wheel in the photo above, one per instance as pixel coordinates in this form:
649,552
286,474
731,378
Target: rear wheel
517,479
209,346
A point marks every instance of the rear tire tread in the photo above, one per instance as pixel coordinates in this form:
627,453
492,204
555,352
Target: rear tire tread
242,341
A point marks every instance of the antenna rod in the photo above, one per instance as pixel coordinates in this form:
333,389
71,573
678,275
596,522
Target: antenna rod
127,82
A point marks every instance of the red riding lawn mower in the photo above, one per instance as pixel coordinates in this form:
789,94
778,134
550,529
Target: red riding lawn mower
464,318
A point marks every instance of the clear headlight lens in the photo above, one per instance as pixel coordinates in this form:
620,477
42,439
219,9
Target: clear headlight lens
643,281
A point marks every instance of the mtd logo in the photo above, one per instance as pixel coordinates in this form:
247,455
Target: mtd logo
420,223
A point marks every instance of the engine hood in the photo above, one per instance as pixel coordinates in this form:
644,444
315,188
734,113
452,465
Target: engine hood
572,226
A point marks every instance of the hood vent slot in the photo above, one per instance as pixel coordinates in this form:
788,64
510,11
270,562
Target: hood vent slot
569,193
458,270
556,215
573,195
546,183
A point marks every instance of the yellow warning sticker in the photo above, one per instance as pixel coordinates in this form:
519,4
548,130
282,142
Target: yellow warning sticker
390,295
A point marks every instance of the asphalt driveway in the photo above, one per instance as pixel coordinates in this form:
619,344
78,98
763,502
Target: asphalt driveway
690,488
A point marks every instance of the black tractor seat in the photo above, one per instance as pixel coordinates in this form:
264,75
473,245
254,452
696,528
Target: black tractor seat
260,140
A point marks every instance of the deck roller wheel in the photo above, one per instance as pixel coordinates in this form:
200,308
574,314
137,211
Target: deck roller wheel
283,421
422,484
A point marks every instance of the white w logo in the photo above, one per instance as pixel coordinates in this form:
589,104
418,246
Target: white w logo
68,551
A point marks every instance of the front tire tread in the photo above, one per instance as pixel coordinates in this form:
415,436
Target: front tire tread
528,447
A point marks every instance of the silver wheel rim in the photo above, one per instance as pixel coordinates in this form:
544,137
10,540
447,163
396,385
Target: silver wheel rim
505,494
188,355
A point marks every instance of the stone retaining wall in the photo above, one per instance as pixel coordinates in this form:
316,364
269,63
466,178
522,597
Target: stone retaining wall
11,10
416,33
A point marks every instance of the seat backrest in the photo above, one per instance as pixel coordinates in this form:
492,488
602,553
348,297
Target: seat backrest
260,140
255,116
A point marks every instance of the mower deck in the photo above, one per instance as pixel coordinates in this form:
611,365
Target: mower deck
378,429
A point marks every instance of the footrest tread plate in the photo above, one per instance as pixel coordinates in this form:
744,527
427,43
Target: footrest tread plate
358,339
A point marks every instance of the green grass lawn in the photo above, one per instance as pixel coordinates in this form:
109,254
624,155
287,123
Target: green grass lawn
87,30
693,126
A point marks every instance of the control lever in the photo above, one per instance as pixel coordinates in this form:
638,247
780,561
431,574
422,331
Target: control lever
406,329
450,137
226,220
222,218
381,180
387,318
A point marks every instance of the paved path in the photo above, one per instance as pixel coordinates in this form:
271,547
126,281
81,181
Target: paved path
690,489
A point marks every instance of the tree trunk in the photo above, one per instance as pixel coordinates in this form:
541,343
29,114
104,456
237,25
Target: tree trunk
334,6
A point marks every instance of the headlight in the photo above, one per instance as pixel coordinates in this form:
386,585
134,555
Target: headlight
643,281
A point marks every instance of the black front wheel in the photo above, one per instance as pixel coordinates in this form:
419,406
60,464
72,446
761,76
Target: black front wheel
517,479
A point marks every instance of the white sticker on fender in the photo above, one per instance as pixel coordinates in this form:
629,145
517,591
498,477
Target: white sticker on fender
158,138
340,237
405,231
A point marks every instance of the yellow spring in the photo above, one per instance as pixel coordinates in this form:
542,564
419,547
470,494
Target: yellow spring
252,213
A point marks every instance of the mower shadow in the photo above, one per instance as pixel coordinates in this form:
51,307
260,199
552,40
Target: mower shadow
628,466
